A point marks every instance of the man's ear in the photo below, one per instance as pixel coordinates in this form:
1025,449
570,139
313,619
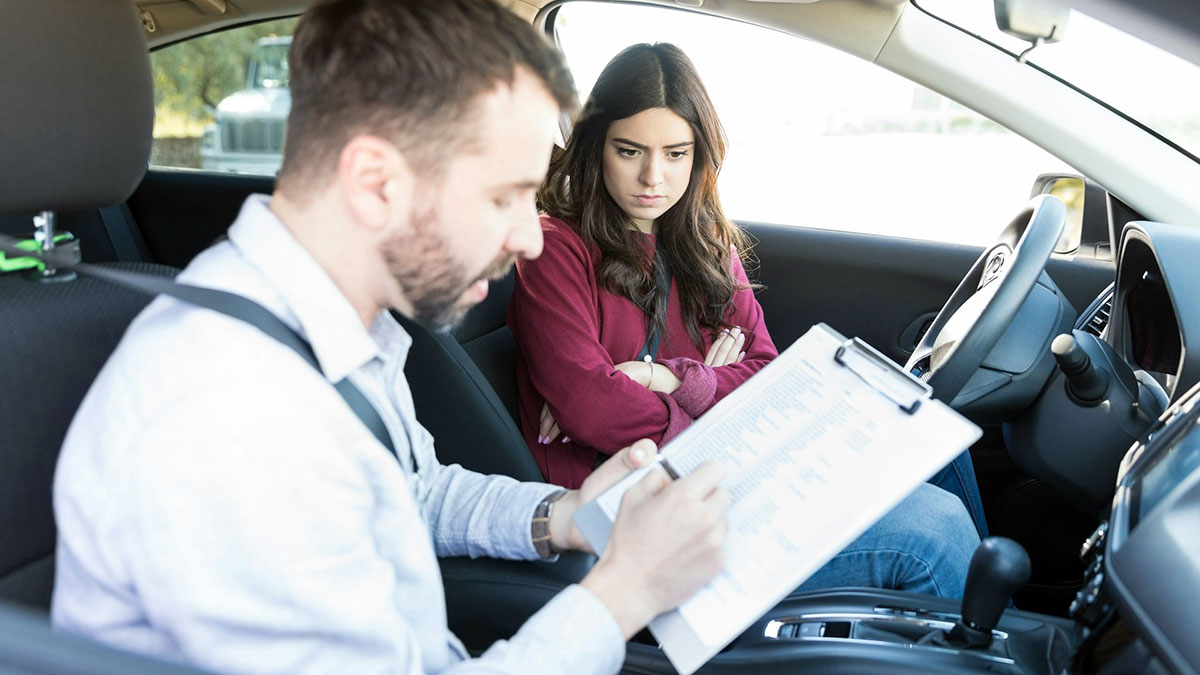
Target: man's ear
376,181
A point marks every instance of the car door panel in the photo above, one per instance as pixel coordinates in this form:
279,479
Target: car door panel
881,289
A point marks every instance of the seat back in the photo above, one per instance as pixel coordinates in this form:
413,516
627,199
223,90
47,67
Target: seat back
77,111
56,337
464,389
484,336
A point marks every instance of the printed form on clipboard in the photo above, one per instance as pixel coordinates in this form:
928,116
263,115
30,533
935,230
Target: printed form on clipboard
821,443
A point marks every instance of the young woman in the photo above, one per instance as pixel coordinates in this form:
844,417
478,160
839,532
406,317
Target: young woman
638,316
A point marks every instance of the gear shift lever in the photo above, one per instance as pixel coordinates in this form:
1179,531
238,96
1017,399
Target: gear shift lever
999,567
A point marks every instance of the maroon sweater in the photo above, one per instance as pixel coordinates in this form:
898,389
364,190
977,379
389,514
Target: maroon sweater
572,332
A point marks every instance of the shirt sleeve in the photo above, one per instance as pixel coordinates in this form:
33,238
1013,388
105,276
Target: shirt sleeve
260,550
554,319
476,515
574,633
759,347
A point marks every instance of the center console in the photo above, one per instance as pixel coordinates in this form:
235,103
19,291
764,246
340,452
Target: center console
873,631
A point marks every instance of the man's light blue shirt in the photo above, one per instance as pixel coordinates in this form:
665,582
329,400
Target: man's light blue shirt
218,502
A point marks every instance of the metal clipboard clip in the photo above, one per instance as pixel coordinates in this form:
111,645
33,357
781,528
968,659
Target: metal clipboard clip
882,374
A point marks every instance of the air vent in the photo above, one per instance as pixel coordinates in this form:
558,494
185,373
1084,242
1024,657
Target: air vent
1095,319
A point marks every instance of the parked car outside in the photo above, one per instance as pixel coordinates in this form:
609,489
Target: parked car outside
247,134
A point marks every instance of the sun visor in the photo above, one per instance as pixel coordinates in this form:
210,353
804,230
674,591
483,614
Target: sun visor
77,106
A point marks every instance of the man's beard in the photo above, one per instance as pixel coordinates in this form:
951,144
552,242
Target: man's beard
431,279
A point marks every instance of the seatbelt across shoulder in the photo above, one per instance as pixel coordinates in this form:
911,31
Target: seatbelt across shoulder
662,280
245,309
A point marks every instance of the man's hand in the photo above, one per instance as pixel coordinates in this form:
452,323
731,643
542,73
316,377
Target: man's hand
667,542
563,532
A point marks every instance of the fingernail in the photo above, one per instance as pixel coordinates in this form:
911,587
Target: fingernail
566,439
724,330
541,439
637,454
742,355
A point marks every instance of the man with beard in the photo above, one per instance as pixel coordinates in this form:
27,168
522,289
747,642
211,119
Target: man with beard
219,503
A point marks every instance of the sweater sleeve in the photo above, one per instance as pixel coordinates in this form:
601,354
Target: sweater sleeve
554,318
759,347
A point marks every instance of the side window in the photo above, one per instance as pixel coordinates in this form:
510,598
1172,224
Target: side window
221,100
818,138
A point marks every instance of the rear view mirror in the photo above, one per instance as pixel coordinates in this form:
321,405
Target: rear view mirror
1034,21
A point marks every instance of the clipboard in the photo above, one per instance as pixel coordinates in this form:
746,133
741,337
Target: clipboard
797,437
884,375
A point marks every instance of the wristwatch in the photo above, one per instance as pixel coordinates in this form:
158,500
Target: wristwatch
541,525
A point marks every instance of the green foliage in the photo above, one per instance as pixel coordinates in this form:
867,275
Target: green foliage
191,77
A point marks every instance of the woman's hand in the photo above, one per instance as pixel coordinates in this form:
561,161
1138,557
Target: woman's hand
638,371
727,348
548,428
652,376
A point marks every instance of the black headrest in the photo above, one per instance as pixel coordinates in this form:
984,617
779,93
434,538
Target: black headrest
77,104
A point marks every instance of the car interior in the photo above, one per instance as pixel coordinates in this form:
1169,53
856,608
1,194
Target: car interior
1075,363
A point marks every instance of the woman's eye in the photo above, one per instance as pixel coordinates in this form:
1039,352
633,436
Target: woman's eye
502,202
627,152
677,154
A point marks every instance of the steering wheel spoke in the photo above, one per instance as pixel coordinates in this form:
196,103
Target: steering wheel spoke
976,315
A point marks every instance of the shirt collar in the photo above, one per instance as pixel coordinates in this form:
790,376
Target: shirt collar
317,308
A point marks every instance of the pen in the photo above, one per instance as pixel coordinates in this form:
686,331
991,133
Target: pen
662,460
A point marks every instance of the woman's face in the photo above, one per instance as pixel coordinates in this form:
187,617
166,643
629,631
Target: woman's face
648,163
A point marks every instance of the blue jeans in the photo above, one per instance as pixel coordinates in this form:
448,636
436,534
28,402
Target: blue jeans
924,545
958,478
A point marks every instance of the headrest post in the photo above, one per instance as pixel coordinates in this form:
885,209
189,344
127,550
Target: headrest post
43,230
44,234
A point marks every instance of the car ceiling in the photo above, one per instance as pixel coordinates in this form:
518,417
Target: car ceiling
856,26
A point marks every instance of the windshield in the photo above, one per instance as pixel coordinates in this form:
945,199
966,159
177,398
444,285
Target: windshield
1153,87
270,67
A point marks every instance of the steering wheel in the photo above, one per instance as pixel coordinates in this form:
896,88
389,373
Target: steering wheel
989,297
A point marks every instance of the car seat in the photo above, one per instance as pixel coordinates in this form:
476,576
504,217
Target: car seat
464,387
77,112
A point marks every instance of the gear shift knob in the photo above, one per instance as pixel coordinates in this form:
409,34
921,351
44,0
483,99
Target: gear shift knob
999,567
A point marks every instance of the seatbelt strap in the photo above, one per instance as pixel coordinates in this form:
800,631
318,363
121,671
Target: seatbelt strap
237,307
662,280
126,241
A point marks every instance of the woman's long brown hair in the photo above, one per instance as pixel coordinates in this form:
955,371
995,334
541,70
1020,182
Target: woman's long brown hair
693,235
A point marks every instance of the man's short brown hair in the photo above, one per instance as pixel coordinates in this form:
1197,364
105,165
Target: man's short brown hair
409,71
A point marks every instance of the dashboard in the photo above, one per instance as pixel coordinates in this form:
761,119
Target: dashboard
1143,562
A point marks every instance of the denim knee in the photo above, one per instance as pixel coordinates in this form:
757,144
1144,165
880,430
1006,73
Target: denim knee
923,545
946,541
